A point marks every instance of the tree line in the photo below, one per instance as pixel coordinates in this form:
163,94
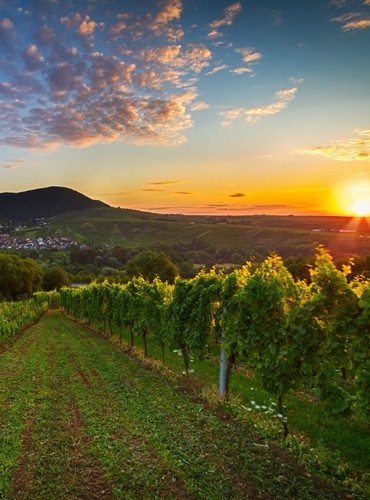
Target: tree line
23,273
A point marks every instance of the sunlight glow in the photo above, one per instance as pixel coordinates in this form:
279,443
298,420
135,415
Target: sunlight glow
354,199
361,208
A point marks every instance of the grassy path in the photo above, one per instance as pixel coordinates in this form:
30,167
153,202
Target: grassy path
80,419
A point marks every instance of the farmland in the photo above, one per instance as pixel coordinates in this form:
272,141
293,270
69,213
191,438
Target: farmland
283,234
82,419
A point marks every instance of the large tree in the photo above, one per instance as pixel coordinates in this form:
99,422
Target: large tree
150,264
55,278
19,278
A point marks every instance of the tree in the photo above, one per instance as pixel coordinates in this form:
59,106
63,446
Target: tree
150,265
19,278
54,279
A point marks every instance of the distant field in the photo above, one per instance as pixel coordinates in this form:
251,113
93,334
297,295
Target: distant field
289,235
81,419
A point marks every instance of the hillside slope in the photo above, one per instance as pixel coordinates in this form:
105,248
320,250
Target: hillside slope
43,202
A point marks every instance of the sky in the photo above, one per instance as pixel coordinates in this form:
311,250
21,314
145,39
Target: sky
189,106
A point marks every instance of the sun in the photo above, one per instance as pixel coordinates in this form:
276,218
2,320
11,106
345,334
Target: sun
354,199
361,208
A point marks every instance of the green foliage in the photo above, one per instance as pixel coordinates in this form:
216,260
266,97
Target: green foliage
14,316
19,278
292,334
360,351
54,279
48,300
336,307
150,265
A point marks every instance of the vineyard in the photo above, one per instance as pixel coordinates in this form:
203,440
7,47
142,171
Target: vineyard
256,323
291,334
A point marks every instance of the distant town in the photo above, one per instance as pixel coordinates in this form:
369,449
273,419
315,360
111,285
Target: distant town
8,242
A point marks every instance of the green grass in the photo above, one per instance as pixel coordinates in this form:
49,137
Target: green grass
336,447
82,419
292,235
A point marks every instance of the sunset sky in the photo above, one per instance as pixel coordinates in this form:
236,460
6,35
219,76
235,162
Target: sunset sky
191,106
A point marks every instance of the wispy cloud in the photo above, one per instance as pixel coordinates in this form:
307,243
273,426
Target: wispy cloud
199,106
352,20
237,195
163,183
249,54
283,98
227,20
337,3
252,115
241,71
152,190
353,149
13,164
216,69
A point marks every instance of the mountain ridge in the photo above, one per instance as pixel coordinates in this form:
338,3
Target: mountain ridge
43,203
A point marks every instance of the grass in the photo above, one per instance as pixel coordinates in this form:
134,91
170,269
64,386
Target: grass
291,235
82,419
336,447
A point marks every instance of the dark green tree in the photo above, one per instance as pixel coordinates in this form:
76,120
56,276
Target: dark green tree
150,264
19,278
54,279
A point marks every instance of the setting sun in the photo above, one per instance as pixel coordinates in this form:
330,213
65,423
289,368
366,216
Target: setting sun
361,208
354,199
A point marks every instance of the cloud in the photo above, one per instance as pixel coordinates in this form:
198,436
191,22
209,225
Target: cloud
231,115
199,106
45,35
237,195
87,27
97,75
153,190
337,3
183,192
71,21
163,183
14,164
6,24
32,57
353,149
229,14
241,71
216,69
171,10
252,115
196,57
249,54
7,34
353,21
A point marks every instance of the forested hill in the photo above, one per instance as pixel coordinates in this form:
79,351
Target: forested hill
43,202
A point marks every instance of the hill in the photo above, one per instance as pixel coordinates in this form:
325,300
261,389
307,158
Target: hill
43,203
71,214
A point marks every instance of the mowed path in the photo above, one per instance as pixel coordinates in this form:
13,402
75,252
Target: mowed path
80,419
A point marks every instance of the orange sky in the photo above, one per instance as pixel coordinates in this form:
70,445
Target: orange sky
193,107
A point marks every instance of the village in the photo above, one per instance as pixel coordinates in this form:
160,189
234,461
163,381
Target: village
8,242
